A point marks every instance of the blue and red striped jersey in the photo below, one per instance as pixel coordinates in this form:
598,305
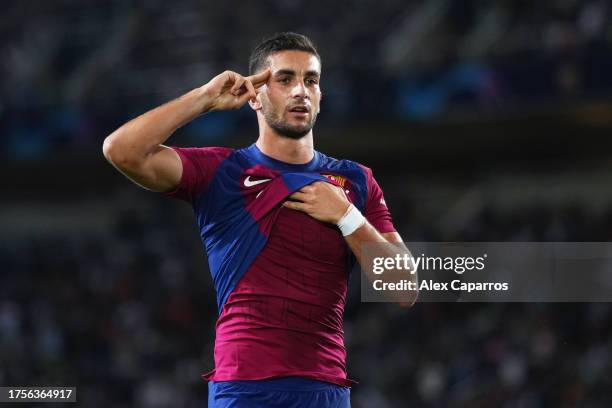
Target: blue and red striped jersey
280,275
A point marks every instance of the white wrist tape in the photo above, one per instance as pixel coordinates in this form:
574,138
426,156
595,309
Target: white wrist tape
351,220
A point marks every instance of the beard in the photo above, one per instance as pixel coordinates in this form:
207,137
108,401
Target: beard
284,128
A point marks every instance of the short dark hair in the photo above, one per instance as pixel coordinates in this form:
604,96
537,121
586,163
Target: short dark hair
279,42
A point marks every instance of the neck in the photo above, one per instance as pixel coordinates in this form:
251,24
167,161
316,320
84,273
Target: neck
293,151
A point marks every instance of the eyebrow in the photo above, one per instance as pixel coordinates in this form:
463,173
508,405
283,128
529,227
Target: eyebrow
292,73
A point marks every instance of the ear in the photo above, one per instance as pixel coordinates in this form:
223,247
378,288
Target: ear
257,104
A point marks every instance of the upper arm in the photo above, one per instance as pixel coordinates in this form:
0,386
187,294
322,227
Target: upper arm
160,170
376,211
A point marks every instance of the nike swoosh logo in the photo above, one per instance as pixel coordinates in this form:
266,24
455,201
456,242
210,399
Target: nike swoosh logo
250,183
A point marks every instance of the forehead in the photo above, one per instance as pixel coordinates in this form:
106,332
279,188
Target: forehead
297,61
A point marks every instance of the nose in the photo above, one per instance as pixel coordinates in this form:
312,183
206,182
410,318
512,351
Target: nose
299,90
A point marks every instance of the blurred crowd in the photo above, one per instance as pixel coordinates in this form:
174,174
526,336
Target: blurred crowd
74,70
127,312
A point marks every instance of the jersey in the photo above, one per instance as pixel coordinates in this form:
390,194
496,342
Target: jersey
280,275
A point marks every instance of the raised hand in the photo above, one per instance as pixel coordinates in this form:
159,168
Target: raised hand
230,90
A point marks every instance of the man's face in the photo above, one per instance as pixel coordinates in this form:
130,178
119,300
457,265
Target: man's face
290,101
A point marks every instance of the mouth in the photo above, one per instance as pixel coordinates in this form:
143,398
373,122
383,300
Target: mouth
300,111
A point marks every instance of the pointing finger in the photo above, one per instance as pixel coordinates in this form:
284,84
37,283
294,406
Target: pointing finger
260,78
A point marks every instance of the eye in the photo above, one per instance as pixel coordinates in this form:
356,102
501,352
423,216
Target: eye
284,80
312,81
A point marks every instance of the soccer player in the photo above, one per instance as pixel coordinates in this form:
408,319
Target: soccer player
280,223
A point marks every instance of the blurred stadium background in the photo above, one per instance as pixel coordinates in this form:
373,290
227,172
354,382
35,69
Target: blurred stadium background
483,121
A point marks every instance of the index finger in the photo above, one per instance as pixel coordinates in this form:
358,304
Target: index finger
298,196
260,78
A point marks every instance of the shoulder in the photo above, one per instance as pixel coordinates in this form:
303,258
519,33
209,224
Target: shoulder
199,166
358,170
331,163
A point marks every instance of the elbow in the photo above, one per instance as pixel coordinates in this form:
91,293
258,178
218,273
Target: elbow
115,153
413,299
108,148
415,293
412,295
408,303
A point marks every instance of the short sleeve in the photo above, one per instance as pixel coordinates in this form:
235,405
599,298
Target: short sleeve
199,167
376,211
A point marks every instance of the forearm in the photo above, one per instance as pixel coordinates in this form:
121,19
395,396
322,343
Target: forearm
370,235
365,233
388,245
142,136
